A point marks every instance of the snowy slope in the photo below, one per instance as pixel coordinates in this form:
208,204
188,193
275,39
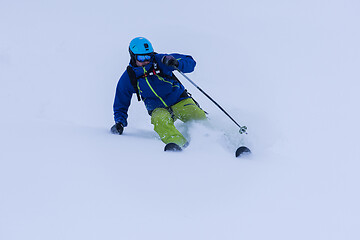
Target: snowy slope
289,70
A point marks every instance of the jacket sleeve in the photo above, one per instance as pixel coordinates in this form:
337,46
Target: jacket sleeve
186,62
123,94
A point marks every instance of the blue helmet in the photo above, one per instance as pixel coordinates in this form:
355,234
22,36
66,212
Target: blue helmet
140,45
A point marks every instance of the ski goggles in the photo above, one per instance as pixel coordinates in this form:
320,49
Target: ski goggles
143,58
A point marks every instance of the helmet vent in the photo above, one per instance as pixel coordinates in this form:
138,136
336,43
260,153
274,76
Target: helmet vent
146,46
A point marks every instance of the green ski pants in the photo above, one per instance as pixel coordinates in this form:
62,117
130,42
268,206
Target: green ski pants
163,120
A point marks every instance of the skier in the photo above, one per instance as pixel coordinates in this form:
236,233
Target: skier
150,76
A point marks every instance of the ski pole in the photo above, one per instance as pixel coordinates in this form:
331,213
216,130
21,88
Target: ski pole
242,128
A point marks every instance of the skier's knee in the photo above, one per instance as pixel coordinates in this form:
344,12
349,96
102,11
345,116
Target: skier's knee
161,116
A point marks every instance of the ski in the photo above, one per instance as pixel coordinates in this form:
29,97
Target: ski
172,147
242,151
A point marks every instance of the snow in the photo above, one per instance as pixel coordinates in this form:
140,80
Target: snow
289,70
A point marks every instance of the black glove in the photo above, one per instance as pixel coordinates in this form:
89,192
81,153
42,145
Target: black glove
170,61
118,128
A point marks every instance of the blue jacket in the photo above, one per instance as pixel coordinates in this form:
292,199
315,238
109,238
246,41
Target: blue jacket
156,91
